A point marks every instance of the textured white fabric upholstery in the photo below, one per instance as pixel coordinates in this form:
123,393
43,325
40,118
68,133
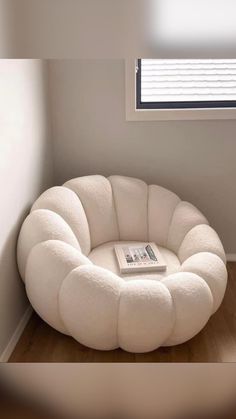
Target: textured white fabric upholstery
92,318
66,203
213,270
193,305
66,256
130,196
201,238
95,193
185,217
48,264
39,226
161,206
141,304
105,257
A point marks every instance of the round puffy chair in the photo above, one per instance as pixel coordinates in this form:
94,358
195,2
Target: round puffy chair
66,257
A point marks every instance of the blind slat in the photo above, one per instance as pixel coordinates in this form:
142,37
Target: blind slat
188,80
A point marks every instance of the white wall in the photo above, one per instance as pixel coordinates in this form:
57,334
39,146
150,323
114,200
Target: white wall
25,168
196,159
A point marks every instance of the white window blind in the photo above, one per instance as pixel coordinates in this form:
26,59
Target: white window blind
187,80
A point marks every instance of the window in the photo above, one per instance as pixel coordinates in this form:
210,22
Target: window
185,83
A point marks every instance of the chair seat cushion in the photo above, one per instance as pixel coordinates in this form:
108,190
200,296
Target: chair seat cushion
105,257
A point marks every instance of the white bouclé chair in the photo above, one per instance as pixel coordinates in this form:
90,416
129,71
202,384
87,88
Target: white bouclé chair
66,258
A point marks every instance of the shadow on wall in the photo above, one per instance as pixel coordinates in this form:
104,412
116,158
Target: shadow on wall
26,170
13,299
13,295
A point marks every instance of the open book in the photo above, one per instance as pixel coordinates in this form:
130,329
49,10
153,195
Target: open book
139,257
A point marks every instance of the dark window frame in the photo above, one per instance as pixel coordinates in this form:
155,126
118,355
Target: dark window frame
176,105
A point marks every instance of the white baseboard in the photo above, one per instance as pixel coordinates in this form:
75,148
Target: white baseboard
4,357
231,257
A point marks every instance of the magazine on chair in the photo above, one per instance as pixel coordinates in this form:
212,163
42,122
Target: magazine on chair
139,257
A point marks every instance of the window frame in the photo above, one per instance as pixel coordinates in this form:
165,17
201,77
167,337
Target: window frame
134,114
209,104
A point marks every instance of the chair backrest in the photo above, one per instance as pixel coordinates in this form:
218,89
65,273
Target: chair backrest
91,210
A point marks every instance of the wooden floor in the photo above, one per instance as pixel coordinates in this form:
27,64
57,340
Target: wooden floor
216,343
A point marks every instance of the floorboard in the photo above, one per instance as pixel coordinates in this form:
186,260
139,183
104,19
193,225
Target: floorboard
215,343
